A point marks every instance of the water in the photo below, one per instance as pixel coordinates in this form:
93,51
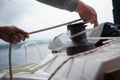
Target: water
19,56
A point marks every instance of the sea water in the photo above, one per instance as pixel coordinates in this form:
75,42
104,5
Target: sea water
19,54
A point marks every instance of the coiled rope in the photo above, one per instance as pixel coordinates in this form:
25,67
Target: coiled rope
10,47
72,57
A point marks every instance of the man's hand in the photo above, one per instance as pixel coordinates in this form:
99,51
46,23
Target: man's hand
12,34
87,13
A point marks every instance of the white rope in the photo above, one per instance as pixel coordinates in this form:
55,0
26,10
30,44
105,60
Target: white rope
60,25
10,47
110,38
10,61
75,56
31,67
73,36
79,33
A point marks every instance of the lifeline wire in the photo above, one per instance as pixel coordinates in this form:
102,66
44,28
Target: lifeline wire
10,47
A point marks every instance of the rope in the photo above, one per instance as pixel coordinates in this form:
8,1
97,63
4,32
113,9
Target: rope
79,33
10,47
10,61
55,26
75,56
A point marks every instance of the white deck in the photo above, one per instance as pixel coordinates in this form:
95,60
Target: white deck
85,67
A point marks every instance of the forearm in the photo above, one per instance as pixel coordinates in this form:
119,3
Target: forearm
87,13
80,7
69,5
1,30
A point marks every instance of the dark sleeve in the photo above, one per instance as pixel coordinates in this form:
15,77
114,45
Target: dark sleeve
69,5
116,11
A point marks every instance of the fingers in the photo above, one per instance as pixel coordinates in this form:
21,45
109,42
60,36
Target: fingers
22,32
19,35
13,34
90,18
14,39
93,21
87,13
95,24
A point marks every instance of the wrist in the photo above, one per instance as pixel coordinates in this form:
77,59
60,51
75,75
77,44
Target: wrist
2,31
80,7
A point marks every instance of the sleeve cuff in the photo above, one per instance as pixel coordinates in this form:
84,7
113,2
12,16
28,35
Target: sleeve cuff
71,5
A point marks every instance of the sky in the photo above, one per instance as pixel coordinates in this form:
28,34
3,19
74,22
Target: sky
31,15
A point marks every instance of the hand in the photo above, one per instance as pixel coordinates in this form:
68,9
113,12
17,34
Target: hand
12,34
87,13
